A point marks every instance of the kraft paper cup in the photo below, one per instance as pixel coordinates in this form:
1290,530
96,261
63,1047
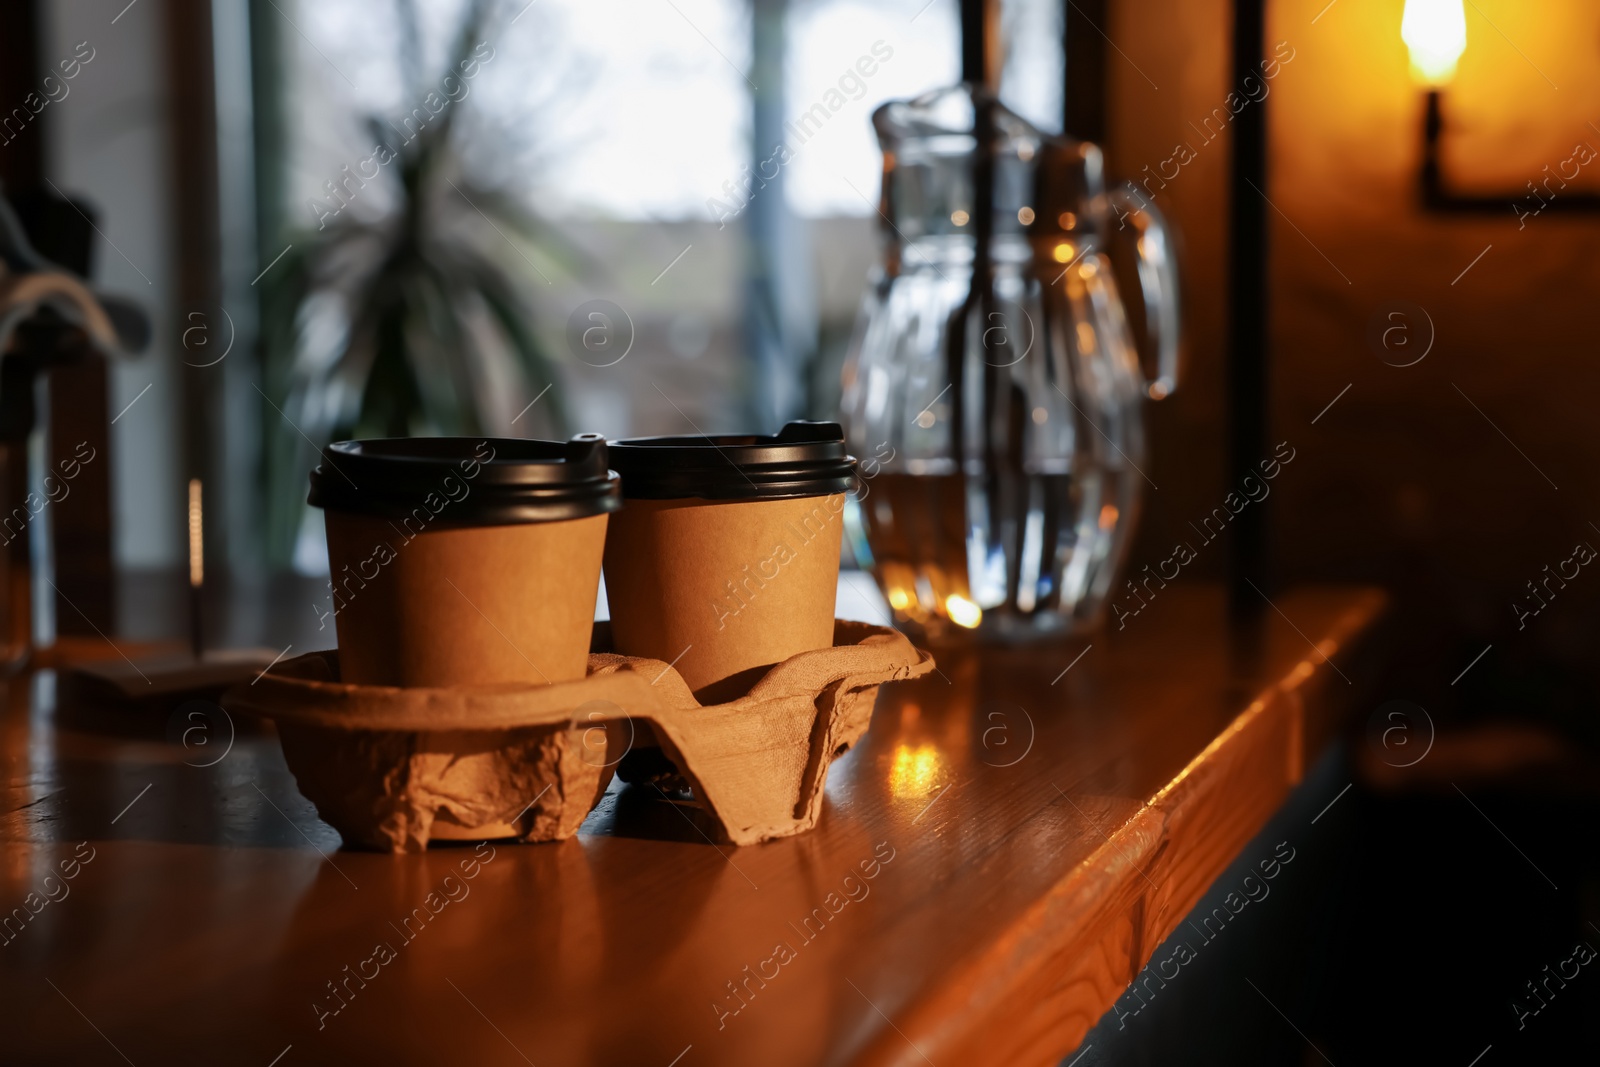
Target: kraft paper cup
464,605
725,557
464,561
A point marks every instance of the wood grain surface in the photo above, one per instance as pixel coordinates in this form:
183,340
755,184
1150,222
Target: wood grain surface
995,860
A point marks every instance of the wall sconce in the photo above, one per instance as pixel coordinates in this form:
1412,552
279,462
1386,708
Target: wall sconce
1435,33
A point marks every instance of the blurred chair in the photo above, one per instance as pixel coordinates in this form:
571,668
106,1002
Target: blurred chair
51,323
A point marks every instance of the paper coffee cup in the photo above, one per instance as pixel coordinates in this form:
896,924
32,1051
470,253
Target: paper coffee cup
456,561
725,557
464,561
470,605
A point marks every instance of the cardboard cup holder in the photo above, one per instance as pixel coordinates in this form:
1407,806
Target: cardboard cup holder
435,724
392,768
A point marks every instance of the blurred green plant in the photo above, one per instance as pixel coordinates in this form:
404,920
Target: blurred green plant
406,322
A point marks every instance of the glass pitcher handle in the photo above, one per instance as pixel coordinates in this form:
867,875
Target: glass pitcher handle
1158,284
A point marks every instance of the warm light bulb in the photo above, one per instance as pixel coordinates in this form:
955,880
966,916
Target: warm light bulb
1436,33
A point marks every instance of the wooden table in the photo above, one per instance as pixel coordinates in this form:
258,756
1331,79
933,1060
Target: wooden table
1003,851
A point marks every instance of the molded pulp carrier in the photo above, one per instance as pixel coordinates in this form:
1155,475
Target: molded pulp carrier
527,755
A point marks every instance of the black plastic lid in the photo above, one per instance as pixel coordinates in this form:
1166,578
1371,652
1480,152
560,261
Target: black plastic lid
804,459
467,481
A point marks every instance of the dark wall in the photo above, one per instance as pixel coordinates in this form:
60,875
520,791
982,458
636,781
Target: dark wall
1454,481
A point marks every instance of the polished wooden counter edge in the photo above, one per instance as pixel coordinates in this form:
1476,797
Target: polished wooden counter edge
1033,993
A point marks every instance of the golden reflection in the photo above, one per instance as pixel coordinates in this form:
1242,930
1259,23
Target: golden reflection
914,771
1086,343
962,611
1065,252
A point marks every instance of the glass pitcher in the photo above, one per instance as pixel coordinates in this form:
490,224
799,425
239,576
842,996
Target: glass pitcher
994,389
